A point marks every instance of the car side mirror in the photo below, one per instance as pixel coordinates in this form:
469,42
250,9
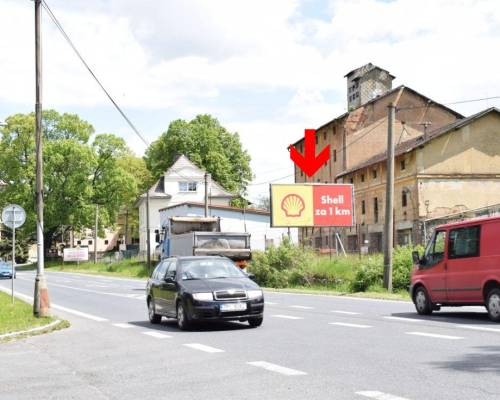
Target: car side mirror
251,276
169,279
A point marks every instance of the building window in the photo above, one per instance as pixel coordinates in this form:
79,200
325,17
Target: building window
79,242
404,198
375,209
187,186
316,138
402,165
334,155
90,242
301,173
106,241
324,135
363,207
362,177
334,130
352,181
374,174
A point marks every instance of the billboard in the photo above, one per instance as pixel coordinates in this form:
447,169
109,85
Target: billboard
300,205
76,254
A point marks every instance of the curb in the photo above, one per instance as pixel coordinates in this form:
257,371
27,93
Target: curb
37,329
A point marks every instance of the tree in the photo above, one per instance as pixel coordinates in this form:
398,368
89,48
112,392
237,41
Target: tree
209,145
77,174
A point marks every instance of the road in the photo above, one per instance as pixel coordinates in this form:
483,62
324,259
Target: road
309,347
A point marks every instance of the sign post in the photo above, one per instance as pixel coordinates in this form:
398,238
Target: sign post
13,216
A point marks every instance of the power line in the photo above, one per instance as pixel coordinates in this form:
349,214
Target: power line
67,38
431,103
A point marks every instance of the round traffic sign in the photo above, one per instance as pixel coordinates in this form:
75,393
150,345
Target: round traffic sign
13,216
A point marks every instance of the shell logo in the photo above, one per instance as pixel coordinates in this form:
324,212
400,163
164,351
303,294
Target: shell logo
293,205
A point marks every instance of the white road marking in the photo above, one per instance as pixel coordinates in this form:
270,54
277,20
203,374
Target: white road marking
303,307
434,335
479,328
276,368
403,319
286,316
373,394
271,303
350,325
78,313
156,335
124,325
202,347
345,312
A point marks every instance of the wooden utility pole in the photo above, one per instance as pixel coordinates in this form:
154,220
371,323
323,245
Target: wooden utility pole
41,305
207,180
148,238
389,200
96,226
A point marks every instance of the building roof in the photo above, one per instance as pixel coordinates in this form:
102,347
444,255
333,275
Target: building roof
367,68
258,211
413,143
382,96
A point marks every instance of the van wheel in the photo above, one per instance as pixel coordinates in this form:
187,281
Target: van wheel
422,301
493,304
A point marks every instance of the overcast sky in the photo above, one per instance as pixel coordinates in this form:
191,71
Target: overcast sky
267,69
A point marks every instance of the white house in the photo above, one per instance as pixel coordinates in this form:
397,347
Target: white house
233,219
184,184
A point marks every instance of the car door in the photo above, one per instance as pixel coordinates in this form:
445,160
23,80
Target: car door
463,276
169,288
158,292
433,272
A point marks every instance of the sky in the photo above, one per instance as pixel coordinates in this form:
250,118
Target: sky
266,69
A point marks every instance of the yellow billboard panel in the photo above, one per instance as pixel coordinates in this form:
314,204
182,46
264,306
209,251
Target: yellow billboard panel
291,205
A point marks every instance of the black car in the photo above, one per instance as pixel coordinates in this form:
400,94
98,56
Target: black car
203,289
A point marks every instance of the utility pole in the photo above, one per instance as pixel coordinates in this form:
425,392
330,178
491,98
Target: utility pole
126,228
207,179
148,238
41,305
389,201
96,226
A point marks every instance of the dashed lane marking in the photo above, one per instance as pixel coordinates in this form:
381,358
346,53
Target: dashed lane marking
350,325
286,316
202,347
271,303
403,319
434,335
124,325
373,394
479,328
276,368
345,312
156,335
303,307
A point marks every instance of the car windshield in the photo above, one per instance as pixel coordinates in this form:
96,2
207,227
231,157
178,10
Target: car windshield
210,269
5,266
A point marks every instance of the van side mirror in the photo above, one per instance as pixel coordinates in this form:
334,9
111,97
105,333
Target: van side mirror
416,258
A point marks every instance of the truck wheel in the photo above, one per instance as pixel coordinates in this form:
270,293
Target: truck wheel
422,301
182,318
153,317
493,304
255,322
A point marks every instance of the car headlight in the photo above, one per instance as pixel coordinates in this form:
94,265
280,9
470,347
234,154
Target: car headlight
254,294
203,296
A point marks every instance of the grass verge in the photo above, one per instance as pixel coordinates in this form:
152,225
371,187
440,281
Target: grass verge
19,317
123,268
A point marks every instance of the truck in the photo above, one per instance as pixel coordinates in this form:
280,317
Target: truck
202,236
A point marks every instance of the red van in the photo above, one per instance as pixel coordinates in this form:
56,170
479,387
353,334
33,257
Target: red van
460,266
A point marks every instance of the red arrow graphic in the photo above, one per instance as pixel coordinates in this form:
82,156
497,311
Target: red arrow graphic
308,162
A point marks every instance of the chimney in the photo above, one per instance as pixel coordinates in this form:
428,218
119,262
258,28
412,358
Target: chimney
365,83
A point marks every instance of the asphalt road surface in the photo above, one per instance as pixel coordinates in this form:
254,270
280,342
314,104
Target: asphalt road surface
309,347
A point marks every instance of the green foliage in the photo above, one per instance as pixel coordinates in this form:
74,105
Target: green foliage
209,145
77,174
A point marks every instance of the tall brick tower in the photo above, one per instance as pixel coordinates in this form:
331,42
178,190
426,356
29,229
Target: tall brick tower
366,83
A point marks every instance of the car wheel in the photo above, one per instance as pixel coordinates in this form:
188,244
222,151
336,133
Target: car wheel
255,322
422,301
153,317
182,319
493,304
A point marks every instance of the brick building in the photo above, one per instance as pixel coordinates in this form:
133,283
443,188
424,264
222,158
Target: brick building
358,140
